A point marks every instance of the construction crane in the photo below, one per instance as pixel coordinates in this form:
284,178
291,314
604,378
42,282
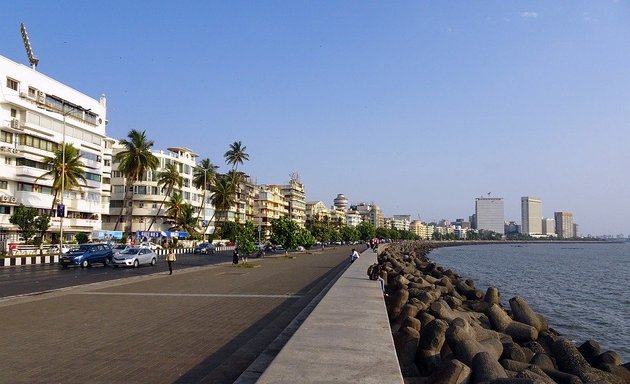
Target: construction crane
27,45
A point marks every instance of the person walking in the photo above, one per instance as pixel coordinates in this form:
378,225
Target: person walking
354,255
235,256
170,259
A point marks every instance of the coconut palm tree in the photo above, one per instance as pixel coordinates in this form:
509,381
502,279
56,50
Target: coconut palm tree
174,207
204,176
71,173
186,221
169,178
236,154
223,196
133,162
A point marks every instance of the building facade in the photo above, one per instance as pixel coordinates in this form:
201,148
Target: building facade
294,194
147,212
564,224
531,216
37,115
270,205
489,214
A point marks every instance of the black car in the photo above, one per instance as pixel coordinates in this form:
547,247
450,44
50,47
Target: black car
205,248
87,254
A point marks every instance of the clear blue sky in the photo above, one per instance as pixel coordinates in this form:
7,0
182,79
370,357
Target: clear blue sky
416,106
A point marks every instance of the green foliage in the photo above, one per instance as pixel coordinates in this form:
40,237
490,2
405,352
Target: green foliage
305,238
349,233
229,230
81,237
42,223
366,231
284,231
25,219
71,170
246,237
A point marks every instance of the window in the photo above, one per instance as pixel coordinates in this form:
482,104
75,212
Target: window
12,84
25,187
5,210
36,142
32,92
92,176
107,162
13,113
6,137
140,205
154,205
107,180
119,188
7,160
140,190
4,184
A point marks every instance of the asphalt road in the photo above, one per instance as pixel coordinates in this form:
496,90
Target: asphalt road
31,279
203,324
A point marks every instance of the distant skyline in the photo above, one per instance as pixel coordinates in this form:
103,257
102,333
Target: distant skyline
417,106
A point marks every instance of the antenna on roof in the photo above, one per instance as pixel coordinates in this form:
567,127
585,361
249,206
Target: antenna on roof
27,45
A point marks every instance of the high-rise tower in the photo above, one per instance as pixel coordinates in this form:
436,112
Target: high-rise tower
531,216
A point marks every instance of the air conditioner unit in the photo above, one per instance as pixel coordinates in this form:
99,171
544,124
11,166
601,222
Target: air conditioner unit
15,123
41,97
23,94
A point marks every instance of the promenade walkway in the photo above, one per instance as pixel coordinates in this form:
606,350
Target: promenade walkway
201,325
345,339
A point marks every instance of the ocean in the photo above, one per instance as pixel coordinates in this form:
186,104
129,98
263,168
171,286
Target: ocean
582,289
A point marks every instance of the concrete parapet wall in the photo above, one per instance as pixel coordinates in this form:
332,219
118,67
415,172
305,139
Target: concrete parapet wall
346,339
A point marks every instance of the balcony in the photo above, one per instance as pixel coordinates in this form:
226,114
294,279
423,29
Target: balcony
23,170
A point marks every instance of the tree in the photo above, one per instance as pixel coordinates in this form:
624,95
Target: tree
169,178
174,207
81,237
246,237
186,221
204,177
42,223
349,233
223,197
305,238
366,230
284,231
229,230
24,218
236,155
71,173
133,162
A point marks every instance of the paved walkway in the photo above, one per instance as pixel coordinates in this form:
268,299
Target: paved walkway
203,325
345,339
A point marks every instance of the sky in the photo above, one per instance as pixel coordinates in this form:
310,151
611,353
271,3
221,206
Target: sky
416,106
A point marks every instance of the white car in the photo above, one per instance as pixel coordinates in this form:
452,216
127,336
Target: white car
55,248
133,257
150,245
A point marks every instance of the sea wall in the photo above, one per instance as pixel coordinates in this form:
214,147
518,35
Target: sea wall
447,331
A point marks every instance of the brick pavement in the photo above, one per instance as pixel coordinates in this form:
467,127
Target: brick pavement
203,325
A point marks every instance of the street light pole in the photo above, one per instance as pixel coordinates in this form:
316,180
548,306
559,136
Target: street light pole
63,177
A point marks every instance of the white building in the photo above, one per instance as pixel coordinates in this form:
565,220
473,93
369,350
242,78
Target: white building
37,114
148,196
489,213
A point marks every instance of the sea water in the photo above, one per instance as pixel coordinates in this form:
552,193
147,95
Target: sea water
582,289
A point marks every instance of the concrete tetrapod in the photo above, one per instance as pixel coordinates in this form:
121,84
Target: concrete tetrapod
571,361
503,323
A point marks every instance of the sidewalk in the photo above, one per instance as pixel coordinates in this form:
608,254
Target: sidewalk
346,339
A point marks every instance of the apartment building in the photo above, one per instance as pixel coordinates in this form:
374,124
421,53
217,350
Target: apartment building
148,196
269,204
316,210
37,115
564,224
294,194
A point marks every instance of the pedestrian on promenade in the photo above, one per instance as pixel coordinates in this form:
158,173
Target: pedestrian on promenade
354,255
235,256
244,257
170,259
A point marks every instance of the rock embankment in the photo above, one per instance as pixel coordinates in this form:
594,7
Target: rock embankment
447,331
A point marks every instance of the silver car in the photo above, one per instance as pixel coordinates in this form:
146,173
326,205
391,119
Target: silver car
133,257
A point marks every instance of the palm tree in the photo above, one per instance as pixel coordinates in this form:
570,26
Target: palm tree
169,178
174,207
234,156
133,161
204,176
223,196
186,221
71,173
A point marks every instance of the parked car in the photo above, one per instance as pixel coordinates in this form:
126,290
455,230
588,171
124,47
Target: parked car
119,248
150,245
55,248
205,248
133,257
87,254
